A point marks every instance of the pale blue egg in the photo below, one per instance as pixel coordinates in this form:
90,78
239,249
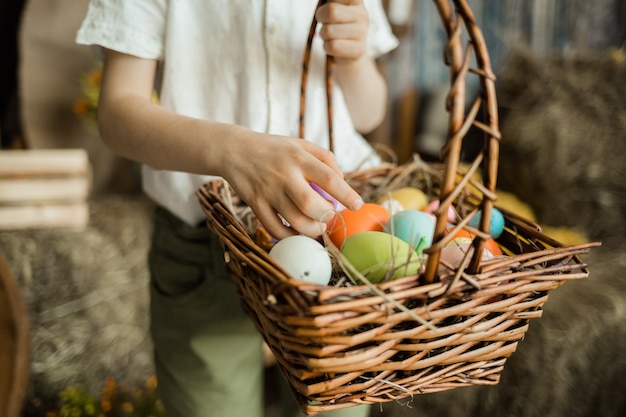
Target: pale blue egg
496,225
415,227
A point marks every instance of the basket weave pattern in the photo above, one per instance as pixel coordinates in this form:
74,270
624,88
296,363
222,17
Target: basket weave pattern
349,345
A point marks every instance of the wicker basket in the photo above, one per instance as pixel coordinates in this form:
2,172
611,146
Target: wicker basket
340,346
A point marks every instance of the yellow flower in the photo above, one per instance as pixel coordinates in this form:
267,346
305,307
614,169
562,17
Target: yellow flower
90,410
137,392
105,405
151,382
81,107
110,386
95,76
127,407
90,82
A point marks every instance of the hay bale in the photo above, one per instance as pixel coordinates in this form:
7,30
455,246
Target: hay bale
87,296
564,139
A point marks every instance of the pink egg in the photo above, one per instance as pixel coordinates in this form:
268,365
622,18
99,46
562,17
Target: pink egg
454,252
336,204
434,205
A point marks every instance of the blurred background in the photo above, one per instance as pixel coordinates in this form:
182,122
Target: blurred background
561,74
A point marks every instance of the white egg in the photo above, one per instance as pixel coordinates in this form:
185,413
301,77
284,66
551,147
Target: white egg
303,258
392,206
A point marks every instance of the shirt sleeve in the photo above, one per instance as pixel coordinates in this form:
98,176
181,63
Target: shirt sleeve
132,27
381,39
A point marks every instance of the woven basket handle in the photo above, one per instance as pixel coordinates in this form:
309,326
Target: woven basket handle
329,82
457,58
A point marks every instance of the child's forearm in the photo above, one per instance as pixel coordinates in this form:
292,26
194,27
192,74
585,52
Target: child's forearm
143,131
365,92
134,127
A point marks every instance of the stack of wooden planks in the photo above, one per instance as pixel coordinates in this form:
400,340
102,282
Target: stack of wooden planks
44,188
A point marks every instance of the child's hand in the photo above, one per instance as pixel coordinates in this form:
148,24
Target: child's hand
273,177
344,29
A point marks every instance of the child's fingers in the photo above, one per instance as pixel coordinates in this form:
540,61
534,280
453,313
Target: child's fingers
347,2
298,220
272,222
345,49
339,189
331,181
341,11
323,155
306,215
343,31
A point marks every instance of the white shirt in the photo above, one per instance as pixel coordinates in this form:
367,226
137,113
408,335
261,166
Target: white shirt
233,61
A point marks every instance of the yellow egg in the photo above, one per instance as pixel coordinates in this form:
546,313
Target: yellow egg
410,198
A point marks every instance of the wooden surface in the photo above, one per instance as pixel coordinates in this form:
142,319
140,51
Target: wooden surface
14,345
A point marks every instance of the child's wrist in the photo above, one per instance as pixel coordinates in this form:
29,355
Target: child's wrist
351,64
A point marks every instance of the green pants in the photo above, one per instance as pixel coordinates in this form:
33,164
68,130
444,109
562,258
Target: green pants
208,355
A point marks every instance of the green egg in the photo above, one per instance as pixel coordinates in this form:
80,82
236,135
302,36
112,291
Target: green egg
380,256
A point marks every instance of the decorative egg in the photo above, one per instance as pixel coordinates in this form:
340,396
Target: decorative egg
380,256
415,227
336,204
409,197
303,258
392,206
496,224
490,244
454,252
370,217
434,205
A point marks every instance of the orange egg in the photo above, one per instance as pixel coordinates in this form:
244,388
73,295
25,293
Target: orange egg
490,244
369,218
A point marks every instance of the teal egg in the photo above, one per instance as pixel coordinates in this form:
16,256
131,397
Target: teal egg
414,227
496,225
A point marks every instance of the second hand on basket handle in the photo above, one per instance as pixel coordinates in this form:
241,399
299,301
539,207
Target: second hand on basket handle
329,82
